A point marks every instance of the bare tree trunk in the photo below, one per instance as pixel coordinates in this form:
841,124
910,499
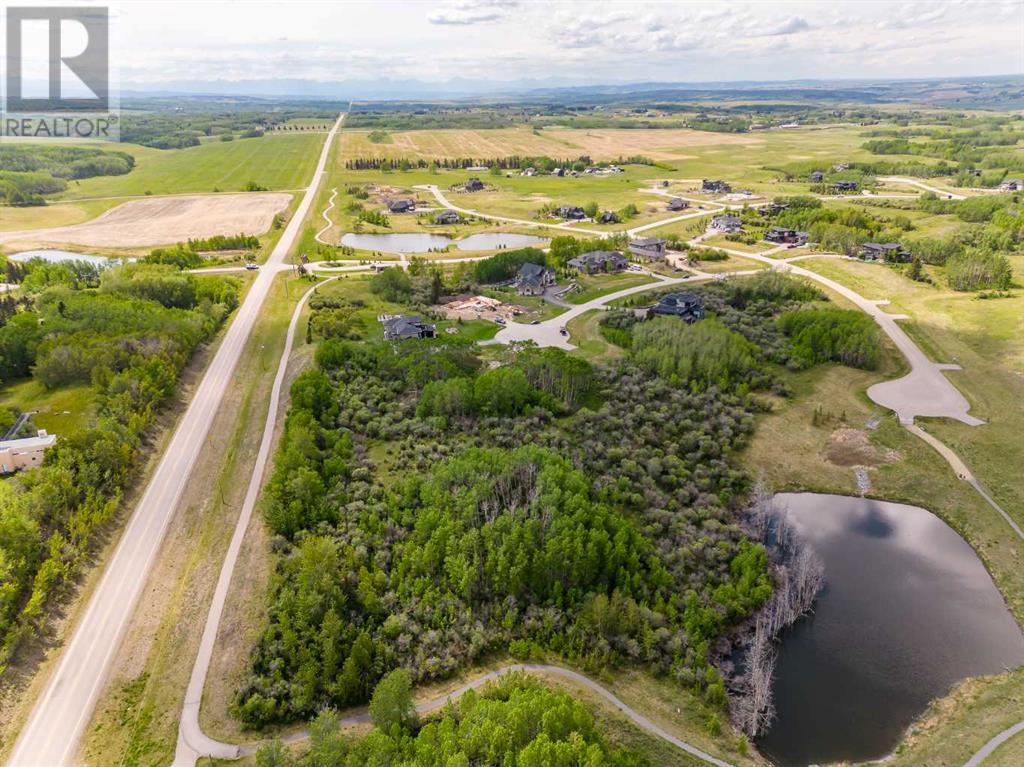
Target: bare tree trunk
799,575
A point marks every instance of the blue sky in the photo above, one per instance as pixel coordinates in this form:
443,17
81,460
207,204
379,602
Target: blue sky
569,42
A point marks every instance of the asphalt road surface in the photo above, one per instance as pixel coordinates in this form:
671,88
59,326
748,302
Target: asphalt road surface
50,737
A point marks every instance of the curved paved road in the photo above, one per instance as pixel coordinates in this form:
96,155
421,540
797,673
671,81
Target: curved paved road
51,734
987,750
433,705
192,741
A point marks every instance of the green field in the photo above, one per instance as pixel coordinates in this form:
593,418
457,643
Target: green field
279,161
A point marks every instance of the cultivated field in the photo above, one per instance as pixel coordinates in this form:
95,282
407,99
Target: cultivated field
600,144
278,161
162,220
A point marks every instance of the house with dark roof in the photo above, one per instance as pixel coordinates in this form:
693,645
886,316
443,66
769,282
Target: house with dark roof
845,186
1011,185
817,177
709,186
609,217
571,212
533,279
884,251
400,327
677,203
447,217
598,261
651,248
474,185
783,236
402,205
687,306
727,223
775,208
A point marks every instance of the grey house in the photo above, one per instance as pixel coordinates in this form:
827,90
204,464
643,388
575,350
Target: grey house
405,326
474,185
678,203
817,177
715,187
786,236
609,217
845,186
447,217
533,279
598,261
651,248
686,306
403,205
571,212
727,223
884,251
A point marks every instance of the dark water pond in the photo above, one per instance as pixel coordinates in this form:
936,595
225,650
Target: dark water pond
421,242
907,611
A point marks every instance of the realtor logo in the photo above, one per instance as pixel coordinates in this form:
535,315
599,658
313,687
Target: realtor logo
58,73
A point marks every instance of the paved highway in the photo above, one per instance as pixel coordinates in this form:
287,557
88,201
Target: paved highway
51,735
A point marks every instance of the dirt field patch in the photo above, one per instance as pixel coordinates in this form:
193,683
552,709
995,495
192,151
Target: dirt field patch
601,144
164,220
850,447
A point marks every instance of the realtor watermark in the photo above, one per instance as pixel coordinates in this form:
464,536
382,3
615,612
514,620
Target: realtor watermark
57,75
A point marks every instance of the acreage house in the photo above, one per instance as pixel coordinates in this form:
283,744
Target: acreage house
727,223
598,261
786,236
533,278
571,212
404,205
687,306
715,187
884,251
677,203
24,453
447,217
399,327
651,248
474,185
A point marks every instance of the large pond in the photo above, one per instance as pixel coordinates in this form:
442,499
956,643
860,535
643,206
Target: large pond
57,256
907,611
421,242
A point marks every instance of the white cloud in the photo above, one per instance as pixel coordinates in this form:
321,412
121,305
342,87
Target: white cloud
788,27
470,12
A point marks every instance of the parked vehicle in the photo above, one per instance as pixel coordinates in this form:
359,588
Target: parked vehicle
252,266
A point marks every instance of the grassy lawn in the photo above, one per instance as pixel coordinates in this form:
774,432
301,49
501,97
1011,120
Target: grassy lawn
731,264
61,214
721,241
60,411
585,334
276,161
596,285
985,337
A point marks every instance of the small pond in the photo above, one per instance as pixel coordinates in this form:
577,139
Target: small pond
422,242
907,611
57,256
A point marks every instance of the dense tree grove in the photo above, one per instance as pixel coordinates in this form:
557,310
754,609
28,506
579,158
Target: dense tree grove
847,336
977,269
415,530
505,265
129,340
513,721
30,170
428,509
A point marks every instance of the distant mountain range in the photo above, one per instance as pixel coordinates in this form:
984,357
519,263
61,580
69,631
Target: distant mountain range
1005,91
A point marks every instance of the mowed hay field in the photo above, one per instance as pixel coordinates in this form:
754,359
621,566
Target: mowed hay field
163,220
277,161
600,144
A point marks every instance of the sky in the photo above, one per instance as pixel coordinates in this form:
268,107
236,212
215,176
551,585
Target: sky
554,42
